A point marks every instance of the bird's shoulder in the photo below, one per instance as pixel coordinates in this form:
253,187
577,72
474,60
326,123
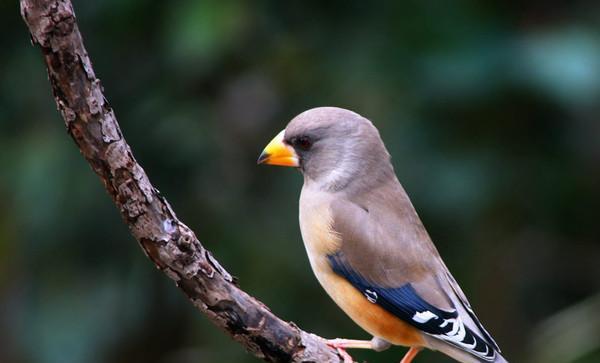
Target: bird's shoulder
382,235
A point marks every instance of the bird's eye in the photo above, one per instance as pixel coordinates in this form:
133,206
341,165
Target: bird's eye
302,142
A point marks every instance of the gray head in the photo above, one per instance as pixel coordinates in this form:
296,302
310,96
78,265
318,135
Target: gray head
333,148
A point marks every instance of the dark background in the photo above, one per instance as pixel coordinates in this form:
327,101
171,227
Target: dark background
490,111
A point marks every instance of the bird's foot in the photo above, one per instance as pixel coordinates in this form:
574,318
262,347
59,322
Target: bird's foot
345,356
349,343
342,344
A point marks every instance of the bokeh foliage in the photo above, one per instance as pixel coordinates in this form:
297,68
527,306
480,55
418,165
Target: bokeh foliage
490,111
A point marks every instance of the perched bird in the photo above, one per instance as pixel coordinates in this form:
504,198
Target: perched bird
366,244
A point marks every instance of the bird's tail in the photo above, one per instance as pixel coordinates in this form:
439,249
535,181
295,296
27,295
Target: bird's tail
500,358
459,354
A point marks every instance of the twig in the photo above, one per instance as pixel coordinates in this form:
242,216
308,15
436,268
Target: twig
169,243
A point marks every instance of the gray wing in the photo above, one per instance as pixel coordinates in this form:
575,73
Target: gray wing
387,254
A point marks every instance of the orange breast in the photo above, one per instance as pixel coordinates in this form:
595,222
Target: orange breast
320,240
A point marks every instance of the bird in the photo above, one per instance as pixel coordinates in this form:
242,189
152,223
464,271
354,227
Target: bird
366,244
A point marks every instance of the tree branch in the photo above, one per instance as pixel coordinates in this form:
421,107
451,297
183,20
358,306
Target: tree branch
169,243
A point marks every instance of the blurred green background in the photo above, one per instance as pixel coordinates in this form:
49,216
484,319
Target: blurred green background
490,111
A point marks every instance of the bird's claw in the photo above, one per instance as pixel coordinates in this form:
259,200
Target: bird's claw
345,356
338,344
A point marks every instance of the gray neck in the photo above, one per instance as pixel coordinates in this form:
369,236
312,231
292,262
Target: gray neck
353,174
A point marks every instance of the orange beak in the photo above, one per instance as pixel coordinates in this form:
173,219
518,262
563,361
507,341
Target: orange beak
278,153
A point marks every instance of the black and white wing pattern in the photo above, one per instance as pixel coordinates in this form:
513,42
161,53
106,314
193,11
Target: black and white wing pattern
405,303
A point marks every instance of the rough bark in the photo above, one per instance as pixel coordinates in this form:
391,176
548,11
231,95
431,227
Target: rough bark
170,244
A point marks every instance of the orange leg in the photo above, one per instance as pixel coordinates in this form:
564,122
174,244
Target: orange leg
410,355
